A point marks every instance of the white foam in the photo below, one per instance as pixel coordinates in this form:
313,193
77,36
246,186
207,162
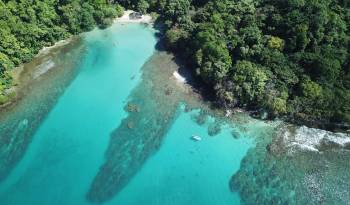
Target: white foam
45,50
311,139
43,68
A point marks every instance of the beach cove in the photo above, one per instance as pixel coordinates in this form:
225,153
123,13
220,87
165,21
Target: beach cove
66,137
110,120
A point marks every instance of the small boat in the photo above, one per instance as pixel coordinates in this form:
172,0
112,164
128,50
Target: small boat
196,138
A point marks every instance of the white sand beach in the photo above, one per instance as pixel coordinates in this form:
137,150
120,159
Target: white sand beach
179,78
126,19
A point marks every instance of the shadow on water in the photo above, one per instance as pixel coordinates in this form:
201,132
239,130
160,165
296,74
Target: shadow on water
38,93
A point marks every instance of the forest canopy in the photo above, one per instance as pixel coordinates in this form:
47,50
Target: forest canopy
288,58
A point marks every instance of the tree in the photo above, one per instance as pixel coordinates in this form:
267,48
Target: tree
275,43
27,26
213,60
175,9
142,6
311,89
173,36
250,80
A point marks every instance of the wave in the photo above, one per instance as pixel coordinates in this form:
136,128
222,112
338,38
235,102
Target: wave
43,68
292,139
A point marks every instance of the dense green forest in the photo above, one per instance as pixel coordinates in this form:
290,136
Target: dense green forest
26,26
284,57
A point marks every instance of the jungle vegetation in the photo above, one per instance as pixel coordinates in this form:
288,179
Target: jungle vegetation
26,26
287,58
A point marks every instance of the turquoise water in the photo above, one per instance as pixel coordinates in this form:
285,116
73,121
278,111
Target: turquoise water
79,148
109,124
188,172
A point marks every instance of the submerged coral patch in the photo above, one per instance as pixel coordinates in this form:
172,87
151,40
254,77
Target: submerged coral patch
151,113
279,171
19,122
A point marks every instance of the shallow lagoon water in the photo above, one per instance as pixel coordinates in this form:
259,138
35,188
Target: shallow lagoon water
68,148
187,172
72,140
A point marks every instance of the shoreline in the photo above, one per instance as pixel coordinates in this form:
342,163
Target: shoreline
14,92
19,81
47,49
207,95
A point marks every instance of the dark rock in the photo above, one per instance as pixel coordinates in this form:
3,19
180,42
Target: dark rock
135,15
131,107
214,129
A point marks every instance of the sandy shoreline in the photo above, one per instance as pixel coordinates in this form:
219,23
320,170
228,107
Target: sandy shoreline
22,77
126,19
17,72
46,49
